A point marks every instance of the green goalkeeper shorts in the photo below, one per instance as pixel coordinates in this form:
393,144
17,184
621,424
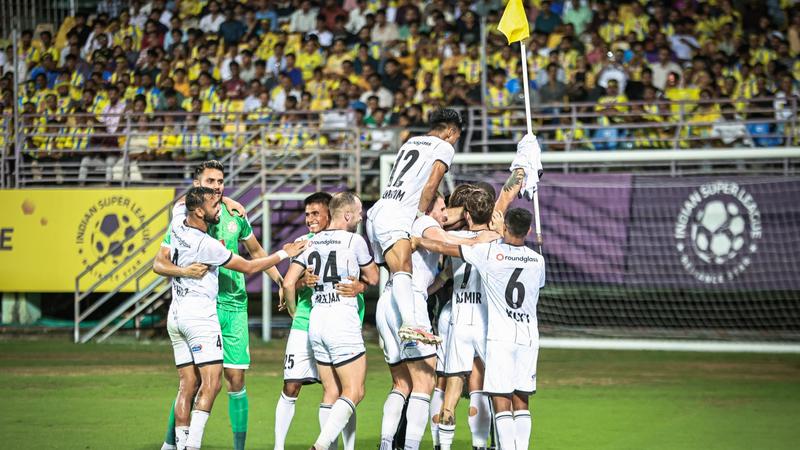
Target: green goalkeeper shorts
235,339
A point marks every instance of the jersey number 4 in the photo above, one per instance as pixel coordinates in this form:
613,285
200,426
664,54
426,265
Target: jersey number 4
512,286
410,156
330,274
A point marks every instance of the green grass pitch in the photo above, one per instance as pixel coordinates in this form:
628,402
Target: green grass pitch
58,395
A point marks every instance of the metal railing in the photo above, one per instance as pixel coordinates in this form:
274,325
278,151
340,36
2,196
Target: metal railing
28,14
269,169
157,149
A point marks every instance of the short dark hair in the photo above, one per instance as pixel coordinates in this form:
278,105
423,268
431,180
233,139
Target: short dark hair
480,206
341,200
210,164
322,198
459,195
488,188
518,222
196,196
443,118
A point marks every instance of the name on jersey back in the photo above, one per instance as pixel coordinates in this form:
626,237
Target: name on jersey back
473,298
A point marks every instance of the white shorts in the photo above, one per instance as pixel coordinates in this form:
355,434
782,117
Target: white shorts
443,329
464,343
335,334
384,228
388,321
299,364
196,338
510,368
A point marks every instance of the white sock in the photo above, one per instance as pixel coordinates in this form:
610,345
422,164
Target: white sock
284,413
522,429
181,433
436,408
403,295
196,428
480,424
337,419
446,435
417,413
324,412
349,433
504,424
392,411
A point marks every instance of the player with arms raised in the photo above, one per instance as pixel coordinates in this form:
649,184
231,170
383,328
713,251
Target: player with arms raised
334,325
192,322
418,169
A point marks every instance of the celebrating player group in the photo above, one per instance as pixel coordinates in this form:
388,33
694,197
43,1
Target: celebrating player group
486,339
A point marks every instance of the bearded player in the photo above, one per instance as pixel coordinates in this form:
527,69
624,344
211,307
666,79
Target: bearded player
192,323
232,229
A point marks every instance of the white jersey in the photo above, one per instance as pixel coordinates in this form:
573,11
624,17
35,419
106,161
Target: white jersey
334,255
511,276
424,263
469,299
410,173
190,245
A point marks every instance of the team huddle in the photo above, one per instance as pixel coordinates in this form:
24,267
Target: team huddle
486,337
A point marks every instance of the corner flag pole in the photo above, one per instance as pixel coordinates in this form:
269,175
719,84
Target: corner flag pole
529,121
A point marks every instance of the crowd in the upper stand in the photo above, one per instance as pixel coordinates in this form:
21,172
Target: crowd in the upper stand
392,61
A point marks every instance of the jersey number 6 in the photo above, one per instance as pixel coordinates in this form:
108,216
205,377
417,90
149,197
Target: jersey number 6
515,285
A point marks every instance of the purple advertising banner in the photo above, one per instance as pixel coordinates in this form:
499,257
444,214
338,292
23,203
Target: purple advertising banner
727,233
705,233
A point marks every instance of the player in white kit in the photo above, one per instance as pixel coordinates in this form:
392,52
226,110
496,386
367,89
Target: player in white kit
412,364
192,320
418,169
334,328
512,275
465,347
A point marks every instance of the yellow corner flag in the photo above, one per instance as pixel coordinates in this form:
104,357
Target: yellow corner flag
514,23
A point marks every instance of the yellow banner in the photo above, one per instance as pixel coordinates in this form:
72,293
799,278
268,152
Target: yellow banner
49,236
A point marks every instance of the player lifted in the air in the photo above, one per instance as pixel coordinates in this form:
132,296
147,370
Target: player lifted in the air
412,364
334,327
233,228
418,169
512,275
192,323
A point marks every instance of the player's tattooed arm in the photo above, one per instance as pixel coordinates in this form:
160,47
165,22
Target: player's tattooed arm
164,267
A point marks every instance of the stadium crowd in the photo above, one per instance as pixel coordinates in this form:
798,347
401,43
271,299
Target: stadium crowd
378,63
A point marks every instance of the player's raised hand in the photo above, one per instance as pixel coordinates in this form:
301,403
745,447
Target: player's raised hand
351,288
295,248
498,222
195,270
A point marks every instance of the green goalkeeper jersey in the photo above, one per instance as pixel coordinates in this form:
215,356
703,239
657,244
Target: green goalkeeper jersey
231,229
303,311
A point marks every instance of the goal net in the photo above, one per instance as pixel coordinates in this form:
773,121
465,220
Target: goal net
654,256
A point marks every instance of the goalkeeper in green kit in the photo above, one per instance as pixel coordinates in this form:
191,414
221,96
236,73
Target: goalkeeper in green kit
232,229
